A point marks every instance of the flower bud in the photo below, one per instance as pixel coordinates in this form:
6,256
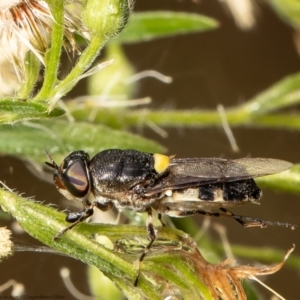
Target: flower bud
106,17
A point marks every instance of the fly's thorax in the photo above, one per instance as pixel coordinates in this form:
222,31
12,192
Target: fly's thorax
119,170
128,200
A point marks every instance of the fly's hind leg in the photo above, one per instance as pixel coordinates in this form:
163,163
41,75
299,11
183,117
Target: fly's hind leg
152,236
245,221
254,222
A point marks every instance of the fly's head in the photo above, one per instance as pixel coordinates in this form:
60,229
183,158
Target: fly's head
72,178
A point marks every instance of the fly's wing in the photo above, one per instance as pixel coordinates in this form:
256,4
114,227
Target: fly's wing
189,172
215,168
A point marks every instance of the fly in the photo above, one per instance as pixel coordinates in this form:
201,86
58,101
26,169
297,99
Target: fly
177,187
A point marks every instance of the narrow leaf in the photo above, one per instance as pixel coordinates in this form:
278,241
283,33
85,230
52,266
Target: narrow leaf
287,181
151,25
62,137
16,110
289,10
283,93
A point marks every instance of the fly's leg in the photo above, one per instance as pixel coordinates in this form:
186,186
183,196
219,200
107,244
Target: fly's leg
245,221
78,217
160,220
152,236
75,218
254,222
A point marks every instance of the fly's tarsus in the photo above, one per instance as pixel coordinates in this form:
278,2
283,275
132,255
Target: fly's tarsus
152,236
254,222
243,220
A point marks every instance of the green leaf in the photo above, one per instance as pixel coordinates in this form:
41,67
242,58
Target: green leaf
151,25
283,93
15,110
289,10
43,222
61,137
101,286
287,181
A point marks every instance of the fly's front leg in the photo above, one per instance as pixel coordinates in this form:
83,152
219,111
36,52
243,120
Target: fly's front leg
75,218
152,236
78,217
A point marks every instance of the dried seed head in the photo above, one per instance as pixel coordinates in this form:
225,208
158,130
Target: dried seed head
224,280
5,4
24,25
27,24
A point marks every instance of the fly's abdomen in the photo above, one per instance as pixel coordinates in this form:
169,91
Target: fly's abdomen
230,191
212,195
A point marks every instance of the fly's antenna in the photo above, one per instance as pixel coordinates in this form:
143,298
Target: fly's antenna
52,163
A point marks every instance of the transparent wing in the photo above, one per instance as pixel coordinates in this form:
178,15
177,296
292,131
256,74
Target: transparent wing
189,172
224,168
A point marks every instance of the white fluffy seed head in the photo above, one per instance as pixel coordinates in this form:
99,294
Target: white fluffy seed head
26,25
6,4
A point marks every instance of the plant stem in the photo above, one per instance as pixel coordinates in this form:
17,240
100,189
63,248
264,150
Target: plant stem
52,56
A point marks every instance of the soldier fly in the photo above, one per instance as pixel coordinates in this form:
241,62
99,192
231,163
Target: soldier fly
177,187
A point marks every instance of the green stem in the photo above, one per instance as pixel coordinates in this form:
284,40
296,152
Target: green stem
32,65
87,57
253,112
188,118
52,56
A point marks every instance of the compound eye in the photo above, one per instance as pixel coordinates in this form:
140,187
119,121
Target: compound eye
75,179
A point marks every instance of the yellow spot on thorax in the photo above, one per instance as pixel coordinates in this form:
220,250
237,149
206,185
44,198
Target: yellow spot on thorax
161,162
